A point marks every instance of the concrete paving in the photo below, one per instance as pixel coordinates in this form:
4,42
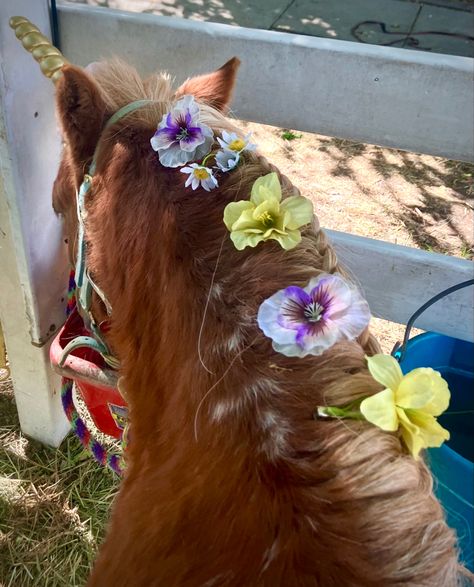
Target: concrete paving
438,26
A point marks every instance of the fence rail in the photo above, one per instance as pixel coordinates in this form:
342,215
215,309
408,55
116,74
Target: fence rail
411,100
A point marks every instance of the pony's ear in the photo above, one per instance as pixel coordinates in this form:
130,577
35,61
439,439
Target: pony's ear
81,111
214,88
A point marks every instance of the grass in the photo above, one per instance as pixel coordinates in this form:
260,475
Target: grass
289,135
53,507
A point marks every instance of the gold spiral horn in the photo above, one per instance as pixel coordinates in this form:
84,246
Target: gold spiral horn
50,59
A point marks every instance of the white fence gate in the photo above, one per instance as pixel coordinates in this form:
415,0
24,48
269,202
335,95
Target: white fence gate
392,97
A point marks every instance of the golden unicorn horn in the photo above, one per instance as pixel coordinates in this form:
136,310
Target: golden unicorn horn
50,59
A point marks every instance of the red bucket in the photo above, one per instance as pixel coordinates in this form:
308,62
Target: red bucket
95,380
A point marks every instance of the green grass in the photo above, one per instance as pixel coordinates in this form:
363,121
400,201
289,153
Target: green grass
466,252
53,507
289,135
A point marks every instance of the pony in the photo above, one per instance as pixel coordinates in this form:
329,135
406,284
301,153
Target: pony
230,480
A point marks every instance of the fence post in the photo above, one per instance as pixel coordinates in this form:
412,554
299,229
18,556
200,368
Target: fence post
33,267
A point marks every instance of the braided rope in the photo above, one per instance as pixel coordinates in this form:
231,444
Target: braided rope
101,454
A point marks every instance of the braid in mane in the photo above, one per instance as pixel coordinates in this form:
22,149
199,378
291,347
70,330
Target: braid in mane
328,261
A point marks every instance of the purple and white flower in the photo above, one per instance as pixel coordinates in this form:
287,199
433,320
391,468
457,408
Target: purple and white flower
231,147
199,175
307,321
180,136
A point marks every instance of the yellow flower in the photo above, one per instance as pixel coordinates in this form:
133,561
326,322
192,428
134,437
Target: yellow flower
266,217
409,401
237,145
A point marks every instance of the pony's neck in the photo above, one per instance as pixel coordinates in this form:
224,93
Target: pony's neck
181,376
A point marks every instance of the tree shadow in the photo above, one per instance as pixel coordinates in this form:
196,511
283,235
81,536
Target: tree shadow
432,209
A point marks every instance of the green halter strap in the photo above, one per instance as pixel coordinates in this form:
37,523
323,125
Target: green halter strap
84,283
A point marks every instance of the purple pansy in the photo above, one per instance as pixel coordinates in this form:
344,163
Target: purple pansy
307,321
180,136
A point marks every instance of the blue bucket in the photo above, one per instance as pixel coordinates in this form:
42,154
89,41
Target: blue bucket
452,464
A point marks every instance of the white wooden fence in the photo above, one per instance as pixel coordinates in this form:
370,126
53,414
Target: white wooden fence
415,101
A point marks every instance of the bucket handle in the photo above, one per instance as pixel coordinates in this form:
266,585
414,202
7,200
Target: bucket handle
399,349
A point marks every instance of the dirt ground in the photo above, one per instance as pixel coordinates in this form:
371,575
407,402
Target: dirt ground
405,198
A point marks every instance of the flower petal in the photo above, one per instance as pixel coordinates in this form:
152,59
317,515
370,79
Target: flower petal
379,409
293,303
233,211
300,209
161,141
290,350
421,383
242,239
415,390
317,344
204,149
420,430
347,310
287,241
386,370
227,160
228,136
173,156
270,206
336,290
266,187
433,433
190,144
297,295
411,435
246,221
268,320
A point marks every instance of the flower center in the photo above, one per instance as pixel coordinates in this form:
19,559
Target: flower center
201,173
237,145
313,312
266,219
182,134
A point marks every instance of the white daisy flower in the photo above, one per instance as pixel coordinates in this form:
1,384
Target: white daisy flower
230,141
199,176
231,147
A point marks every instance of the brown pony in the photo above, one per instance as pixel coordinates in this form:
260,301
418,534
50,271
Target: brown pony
230,480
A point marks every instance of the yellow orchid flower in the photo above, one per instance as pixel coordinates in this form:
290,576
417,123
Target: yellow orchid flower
266,217
408,401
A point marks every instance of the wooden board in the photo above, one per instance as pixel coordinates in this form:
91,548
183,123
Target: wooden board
33,265
398,280
412,100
